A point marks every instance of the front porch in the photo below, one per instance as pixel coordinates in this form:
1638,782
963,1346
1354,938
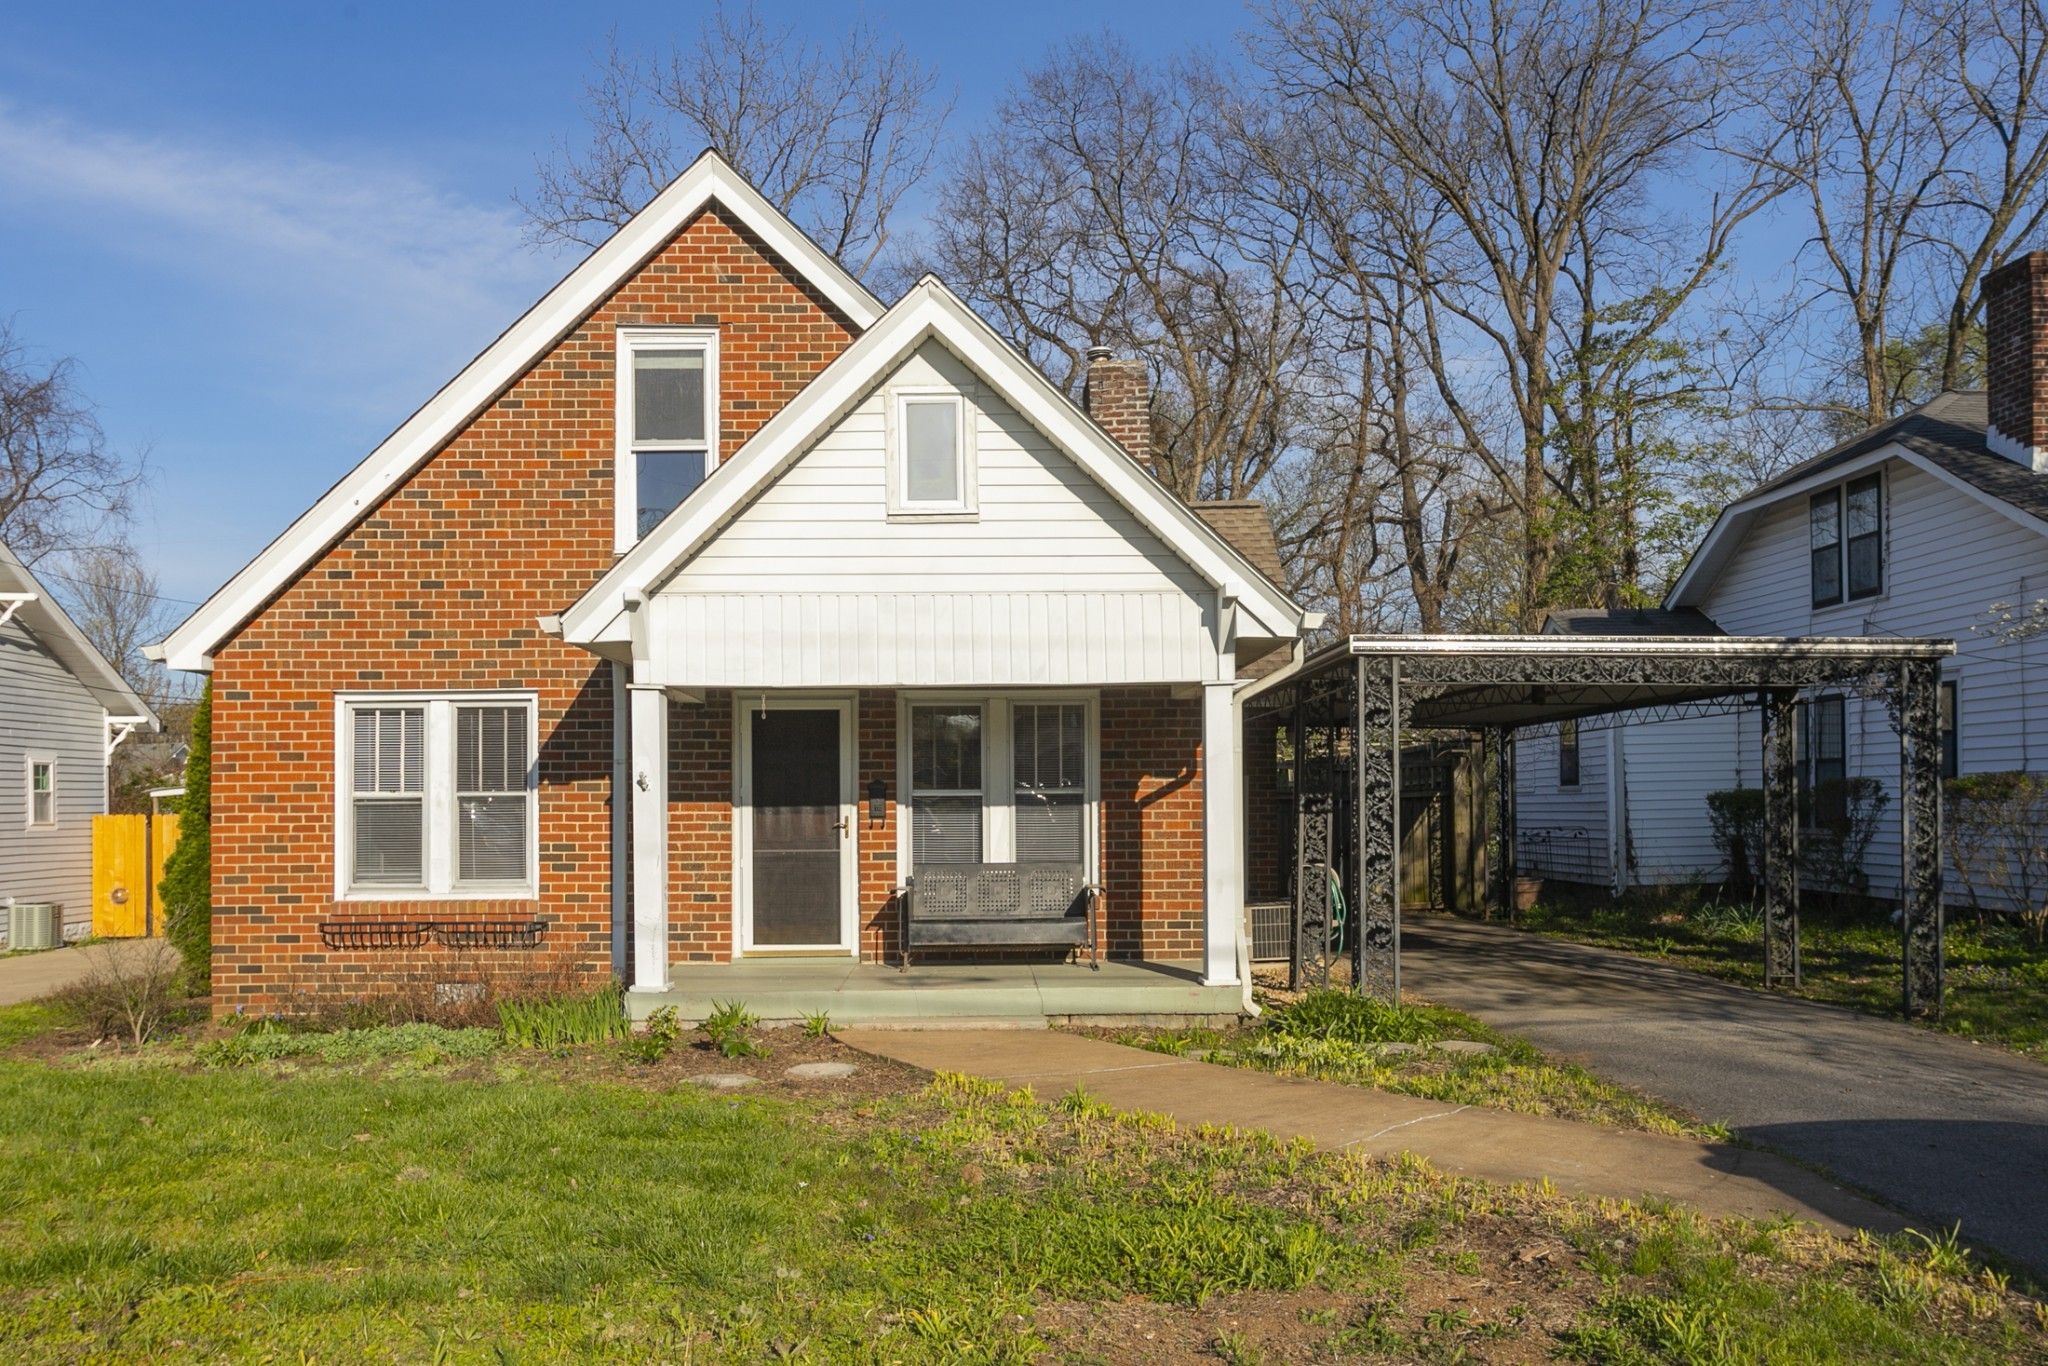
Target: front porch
785,990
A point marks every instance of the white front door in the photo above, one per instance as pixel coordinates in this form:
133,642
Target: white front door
796,825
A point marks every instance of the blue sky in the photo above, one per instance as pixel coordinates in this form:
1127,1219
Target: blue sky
268,232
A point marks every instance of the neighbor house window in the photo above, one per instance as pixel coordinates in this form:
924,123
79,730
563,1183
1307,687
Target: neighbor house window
1568,754
1824,760
1845,540
41,773
667,418
945,783
1951,750
1050,770
932,465
439,796
1824,540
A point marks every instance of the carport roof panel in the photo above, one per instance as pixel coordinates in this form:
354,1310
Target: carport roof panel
1521,680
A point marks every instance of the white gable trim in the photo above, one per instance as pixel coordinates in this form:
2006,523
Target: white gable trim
35,609
929,310
1724,539
516,351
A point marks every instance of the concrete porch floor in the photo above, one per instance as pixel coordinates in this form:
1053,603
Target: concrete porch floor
787,989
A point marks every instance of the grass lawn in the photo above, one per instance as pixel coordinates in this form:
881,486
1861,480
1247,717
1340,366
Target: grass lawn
1997,979
455,1202
1335,1036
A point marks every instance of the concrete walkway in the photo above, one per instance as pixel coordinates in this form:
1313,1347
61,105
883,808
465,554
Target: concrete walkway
29,975
1949,1131
1495,1145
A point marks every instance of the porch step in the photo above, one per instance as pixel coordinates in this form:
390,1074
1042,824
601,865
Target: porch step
998,996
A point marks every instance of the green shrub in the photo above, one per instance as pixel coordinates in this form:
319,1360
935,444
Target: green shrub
663,1029
565,1021
727,1027
187,888
1737,817
425,1041
1349,1018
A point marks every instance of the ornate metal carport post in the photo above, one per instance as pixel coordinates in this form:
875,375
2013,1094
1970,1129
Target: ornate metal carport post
1781,840
1919,713
1501,738
1376,743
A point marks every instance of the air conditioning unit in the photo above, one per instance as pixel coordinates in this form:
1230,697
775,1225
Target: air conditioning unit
35,925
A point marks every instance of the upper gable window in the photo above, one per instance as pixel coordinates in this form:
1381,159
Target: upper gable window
931,453
667,424
1845,538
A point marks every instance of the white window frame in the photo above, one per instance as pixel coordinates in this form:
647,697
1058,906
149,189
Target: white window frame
30,762
967,506
998,771
439,848
625,469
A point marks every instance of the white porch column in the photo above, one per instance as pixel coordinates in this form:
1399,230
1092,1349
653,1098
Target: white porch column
649,787
1222,842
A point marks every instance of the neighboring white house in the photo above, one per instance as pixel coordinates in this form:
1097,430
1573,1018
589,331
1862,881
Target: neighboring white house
63,709
1934,524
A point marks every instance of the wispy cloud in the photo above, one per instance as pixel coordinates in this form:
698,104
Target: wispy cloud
360,270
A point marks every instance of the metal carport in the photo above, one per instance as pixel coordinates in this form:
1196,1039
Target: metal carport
1348,706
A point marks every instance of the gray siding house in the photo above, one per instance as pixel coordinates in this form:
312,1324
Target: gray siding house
1934,524
63,708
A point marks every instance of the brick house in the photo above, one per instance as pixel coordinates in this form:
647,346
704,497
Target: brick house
702,607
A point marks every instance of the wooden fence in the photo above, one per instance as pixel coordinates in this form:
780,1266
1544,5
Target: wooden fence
128,854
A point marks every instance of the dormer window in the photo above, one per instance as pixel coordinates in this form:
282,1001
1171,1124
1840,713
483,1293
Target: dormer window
1845,538
931,450
667,416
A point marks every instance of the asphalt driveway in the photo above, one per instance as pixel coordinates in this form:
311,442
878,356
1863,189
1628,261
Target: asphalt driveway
1946,1130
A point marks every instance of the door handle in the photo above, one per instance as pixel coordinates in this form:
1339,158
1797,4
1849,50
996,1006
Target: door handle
840,825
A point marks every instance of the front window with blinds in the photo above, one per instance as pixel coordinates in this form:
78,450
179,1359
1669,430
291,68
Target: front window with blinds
490,794
389,797
945,783
1050,768
439,797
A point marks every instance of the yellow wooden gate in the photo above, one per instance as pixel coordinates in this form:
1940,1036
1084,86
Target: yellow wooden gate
128,854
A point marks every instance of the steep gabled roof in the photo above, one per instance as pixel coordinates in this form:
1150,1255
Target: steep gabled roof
929,310
1946,437
710,178
59,634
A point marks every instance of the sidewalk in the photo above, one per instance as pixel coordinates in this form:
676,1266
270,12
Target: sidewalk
30,975
1493,1145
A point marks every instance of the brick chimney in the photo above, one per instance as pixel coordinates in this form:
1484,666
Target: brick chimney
2016,342
1118,394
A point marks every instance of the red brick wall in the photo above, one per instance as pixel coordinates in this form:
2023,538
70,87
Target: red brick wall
2016,348
438,588
1151,827
1152,823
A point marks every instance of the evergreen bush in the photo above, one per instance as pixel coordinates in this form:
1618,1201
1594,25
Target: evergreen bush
186,892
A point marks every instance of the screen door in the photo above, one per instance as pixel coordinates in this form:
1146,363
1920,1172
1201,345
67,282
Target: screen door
798,830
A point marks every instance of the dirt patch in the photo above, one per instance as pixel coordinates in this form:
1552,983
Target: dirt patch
787,1047
1495,1290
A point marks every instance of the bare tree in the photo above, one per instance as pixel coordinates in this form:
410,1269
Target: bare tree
1541,131
1871,147
1108,204
835,139
114,600
1996,60
60,487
